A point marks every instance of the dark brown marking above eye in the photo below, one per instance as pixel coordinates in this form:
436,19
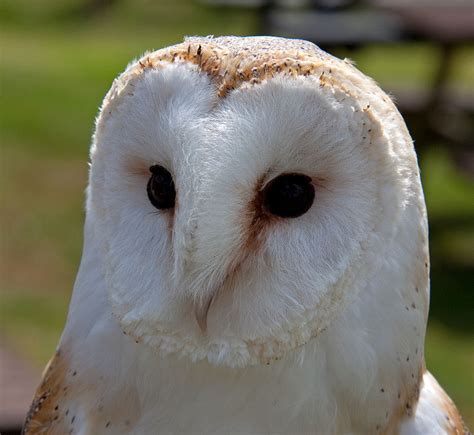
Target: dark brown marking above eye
289,195
160,188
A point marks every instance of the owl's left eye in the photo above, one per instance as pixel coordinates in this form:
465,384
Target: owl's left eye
160,188
289,195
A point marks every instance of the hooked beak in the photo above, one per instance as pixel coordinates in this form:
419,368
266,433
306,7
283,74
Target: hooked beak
201,311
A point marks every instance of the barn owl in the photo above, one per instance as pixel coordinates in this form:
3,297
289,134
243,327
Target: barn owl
255,255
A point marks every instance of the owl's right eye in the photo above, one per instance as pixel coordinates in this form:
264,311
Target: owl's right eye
160,188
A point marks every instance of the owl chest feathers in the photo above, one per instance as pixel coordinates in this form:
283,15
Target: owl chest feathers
340,382
349,379
134,391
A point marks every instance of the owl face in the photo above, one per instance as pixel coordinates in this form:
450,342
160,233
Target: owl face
238,220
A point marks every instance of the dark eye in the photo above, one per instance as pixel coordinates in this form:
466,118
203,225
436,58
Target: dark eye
160,188
289,195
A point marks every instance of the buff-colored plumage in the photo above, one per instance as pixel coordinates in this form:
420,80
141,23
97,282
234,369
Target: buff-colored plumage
216,317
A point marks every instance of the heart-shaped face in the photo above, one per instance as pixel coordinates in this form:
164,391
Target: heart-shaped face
243,191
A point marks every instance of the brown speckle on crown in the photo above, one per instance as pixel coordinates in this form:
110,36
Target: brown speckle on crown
231,61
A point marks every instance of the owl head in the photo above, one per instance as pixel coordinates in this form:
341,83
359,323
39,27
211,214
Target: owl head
243,192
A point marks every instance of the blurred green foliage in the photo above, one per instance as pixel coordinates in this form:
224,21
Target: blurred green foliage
56,65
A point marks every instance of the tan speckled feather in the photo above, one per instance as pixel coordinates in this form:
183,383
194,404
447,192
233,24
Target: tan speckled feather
233,61
43,416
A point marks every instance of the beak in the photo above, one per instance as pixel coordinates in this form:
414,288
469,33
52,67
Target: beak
201,311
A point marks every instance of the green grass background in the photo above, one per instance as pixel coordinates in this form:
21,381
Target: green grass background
56,67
